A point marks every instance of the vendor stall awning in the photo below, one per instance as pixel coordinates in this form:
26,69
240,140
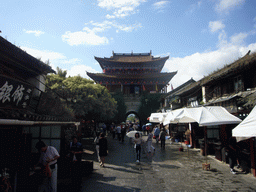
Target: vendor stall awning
204,116
20,122
157,117
247,128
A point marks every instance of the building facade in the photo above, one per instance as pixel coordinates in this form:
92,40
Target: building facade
131,74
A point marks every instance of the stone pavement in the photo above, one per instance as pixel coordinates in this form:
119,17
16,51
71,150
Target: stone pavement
164,170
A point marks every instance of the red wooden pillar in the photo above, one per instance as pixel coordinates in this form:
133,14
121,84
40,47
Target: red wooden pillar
205,141
252,152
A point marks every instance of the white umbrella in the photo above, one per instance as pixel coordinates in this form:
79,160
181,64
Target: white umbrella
132,133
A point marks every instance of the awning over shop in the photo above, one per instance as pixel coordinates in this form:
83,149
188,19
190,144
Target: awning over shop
247,128
204,116
20,122
157,117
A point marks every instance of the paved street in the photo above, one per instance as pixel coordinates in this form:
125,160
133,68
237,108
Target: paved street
164,170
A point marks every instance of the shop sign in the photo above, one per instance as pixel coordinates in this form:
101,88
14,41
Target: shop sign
14,93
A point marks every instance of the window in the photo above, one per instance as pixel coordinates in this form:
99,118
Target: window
238,84
213,132
51,135
217,91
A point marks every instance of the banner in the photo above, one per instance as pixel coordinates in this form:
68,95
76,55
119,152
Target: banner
14,93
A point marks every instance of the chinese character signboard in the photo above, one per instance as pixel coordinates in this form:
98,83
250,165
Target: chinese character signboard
14,93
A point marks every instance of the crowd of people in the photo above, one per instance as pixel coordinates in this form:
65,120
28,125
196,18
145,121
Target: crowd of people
49,154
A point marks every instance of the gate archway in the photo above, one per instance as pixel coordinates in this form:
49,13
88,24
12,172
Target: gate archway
136,114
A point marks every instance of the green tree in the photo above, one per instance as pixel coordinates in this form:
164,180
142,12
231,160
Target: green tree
87,100
149,103
120,115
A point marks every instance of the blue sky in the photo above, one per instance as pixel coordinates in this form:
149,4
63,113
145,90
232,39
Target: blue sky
199,36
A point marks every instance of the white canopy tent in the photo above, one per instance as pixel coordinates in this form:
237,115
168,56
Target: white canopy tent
247,128
204,116
157,117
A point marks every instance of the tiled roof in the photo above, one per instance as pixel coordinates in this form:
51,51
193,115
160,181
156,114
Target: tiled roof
233,68
153,76
19,57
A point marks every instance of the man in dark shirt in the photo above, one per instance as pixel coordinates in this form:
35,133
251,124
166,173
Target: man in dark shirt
76,150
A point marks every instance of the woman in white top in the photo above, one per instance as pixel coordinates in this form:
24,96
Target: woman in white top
149,140
138,141
96,141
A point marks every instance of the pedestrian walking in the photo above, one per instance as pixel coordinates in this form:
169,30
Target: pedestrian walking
232,154
96,141
138,142
48,158
76,150
103,149
162,137
118,132
113,130
149,141
156,134
123,132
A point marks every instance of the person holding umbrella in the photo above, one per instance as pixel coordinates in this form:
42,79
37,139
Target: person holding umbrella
138,142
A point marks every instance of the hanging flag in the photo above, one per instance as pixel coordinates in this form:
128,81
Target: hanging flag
171,87
156,88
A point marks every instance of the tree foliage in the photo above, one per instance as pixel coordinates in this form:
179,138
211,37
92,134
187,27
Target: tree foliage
149,103
87,100
120,116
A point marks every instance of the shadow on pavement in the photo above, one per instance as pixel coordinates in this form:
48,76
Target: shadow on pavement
103,185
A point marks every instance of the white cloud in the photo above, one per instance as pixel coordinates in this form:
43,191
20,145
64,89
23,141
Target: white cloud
198,65
160,4
80,70
89,36
121,8
57,59
83,37
238,38
216,26
45,55
226,5
194,7
36,33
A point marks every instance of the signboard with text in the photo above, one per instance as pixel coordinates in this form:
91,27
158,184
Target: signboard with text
14,93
